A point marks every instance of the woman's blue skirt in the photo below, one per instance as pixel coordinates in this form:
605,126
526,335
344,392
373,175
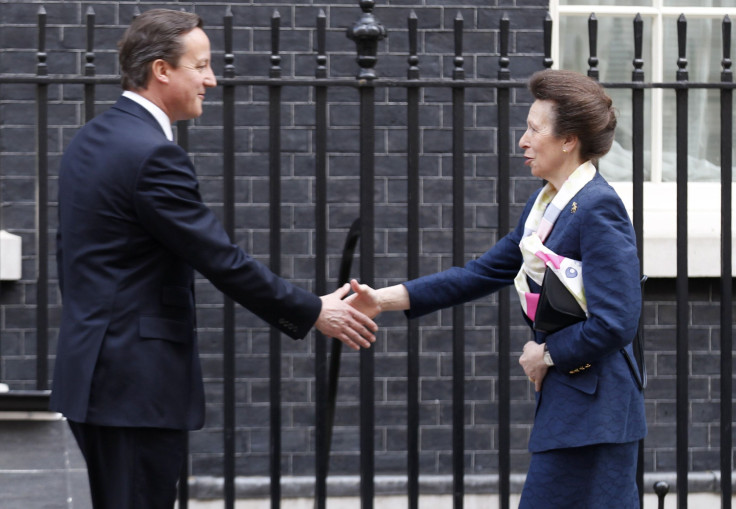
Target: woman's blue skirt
601,476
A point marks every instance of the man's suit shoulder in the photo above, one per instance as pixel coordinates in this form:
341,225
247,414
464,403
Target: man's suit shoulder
135,122
123,129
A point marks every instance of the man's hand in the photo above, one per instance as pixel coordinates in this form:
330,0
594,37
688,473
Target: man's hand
341,321
532,360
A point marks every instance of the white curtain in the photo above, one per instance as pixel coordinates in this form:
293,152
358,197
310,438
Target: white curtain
615,55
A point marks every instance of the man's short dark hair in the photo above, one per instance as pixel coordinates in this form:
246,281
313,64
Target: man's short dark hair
153,35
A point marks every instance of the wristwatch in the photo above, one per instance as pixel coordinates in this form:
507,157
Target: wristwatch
547,357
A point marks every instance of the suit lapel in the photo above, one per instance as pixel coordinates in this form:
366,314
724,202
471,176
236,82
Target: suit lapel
133,108
559,234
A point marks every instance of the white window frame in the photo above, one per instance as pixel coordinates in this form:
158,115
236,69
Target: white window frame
704,207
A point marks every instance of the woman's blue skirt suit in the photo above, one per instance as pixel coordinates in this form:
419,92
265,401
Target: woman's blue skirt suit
590,412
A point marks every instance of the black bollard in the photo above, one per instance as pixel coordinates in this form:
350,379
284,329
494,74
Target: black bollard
661,488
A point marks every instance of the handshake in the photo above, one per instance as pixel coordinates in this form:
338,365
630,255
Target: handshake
350,319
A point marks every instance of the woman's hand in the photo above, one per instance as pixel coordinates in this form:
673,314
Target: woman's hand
532,360
365,299
372,302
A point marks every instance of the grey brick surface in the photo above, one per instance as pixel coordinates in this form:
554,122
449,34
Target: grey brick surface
40,466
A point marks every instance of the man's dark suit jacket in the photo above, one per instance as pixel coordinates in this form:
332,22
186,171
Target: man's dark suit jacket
132,227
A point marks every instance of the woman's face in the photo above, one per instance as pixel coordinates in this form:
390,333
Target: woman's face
543,150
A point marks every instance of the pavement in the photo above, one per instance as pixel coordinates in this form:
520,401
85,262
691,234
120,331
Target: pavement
40,464
42,468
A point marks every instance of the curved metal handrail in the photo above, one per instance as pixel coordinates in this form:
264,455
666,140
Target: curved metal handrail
348,253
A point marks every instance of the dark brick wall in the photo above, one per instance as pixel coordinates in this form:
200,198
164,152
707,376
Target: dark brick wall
65,47
704,374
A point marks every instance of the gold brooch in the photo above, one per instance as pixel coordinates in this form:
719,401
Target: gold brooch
574,207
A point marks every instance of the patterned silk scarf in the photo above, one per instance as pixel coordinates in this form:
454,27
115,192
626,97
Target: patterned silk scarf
537,257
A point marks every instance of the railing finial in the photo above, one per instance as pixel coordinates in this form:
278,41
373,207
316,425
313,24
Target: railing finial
638,72
275,71
726,73
593,42
89,55
321,71
548,41
366,32
458,72
413,60
41,67
681,45
229,70
503,61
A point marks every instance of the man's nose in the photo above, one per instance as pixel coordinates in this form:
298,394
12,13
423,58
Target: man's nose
209,79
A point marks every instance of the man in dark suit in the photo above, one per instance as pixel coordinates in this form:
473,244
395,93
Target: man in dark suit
132,229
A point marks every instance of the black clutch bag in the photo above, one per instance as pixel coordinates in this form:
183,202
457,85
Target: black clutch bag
557,307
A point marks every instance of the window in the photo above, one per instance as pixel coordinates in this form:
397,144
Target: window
615,51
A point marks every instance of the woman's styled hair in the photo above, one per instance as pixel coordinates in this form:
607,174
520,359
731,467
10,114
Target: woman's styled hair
582,109
153,35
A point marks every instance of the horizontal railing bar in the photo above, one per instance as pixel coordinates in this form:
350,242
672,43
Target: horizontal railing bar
59,79
351,82
632,10
265,81
669,84
382,82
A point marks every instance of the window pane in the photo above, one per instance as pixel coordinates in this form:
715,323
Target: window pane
699,3
704,54
615,56
618,3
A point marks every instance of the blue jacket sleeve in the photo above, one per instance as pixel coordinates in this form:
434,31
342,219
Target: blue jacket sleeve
493,270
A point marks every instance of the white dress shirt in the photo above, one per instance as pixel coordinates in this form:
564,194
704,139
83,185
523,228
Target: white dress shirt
154,110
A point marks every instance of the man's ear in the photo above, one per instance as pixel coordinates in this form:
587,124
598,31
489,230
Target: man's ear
160,71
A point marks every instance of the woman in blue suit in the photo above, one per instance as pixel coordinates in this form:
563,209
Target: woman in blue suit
589,409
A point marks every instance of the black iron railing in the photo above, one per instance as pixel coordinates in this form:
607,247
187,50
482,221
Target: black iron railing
366,33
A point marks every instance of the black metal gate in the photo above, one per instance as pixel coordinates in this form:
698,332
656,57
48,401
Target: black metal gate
366,33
